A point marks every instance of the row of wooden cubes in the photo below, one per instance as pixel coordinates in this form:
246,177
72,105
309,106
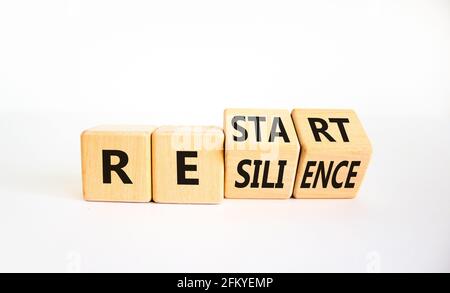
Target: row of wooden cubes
260,153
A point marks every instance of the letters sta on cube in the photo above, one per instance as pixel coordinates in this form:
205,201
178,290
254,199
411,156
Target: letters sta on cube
260,153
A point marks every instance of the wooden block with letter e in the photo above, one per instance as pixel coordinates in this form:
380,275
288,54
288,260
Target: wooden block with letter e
261,153
335,153
116,163
188,164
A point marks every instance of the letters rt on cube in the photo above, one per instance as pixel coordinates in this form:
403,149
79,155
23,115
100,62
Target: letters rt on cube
261,153
335,153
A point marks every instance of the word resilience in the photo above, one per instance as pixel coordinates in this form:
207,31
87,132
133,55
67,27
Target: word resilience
259,153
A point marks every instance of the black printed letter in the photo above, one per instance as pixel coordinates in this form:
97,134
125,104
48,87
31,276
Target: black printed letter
182,167
108,168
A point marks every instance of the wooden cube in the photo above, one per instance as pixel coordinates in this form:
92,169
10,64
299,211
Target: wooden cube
116,163
335,153
261,153
188,164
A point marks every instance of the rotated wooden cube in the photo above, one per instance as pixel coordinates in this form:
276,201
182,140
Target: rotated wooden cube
261,153
335,153
188,164
116,163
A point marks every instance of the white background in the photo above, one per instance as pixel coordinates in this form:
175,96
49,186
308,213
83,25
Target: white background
69,65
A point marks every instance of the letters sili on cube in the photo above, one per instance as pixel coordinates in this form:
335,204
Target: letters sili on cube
261,153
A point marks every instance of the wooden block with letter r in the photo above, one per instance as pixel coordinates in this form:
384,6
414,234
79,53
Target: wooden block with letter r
116,163
335,153
261,153
188,164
